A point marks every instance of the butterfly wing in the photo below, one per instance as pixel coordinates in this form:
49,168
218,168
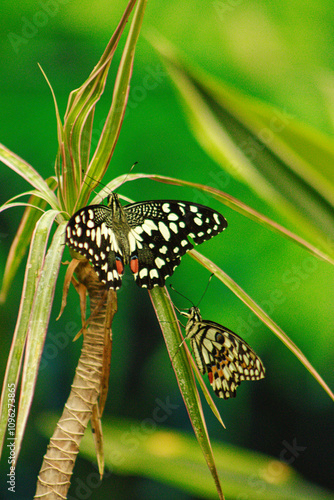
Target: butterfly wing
89,232
162,229
226,357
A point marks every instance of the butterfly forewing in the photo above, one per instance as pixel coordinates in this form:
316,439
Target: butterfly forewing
150,236
221,353
89,233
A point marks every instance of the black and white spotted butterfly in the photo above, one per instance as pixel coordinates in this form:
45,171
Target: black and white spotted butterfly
150,236
222,354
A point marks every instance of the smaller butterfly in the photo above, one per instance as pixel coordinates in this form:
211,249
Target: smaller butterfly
222,354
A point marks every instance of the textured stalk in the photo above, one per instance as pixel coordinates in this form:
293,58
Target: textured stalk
55,474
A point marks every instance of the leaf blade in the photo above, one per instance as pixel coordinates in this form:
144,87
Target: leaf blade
185,378
37,327
33,267
26,171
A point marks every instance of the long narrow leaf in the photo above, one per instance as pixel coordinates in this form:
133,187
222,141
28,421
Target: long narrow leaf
37,328
33,268
326,254
262,315
80,112
28,173
23,236
170,329
254,148
112,126
173,458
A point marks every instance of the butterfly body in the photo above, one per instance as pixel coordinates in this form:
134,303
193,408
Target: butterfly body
222,354
149,236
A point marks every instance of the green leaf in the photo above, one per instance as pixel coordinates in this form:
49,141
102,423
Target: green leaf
29,174
280,159
78,121
23,236
261,314
326,254
112,126
33,268
174,458
229,201
40,304
185,378
60,139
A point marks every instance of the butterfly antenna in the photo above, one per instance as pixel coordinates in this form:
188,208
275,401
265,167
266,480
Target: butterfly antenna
206,288
97,182
181,296
129,172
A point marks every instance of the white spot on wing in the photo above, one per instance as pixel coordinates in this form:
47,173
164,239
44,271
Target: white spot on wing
104,230
132,242
154,273
148,226
143,273
216,217
166,208
159,262
98,236
172,217
164,230
138,229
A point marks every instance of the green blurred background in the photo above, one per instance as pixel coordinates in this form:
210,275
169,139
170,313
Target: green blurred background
281,52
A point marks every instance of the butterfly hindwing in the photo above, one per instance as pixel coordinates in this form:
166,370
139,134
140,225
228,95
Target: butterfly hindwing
222,354
150,236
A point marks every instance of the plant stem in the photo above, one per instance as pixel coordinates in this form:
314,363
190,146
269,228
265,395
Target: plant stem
54,478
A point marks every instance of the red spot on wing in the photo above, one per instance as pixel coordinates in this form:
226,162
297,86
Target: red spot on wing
134,265
210,375
119,267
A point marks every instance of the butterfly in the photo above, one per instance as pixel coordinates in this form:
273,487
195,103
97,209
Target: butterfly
150,236
222,354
